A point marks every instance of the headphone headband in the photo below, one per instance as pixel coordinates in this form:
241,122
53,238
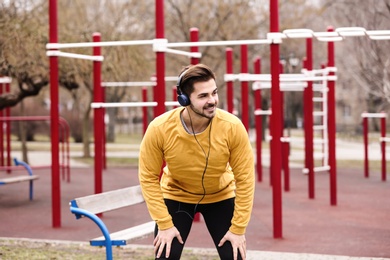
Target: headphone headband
182,98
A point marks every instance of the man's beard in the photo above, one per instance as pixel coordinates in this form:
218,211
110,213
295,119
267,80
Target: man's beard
201,113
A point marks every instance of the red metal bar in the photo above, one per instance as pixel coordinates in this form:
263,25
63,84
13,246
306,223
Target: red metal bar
365,139
276,147
244,88
229,84
54,116
194,35
308,106
144,110
98,118
332,126
159,93
383,146
258,123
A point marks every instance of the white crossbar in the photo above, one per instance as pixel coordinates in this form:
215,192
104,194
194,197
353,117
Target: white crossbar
317,169
123,104
5,80
374,115
384,139
74,55
129,84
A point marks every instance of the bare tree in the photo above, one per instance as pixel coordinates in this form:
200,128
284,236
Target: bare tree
364,61
22,32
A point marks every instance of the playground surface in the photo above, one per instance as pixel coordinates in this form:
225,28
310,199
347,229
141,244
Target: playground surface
357,228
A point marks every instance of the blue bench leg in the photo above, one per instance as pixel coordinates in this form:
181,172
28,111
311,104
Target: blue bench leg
29,170
101,225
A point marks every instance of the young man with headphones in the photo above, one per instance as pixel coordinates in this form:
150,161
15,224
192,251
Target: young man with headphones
209,169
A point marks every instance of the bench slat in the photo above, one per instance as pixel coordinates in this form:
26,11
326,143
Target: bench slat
18,179
111,200
132,233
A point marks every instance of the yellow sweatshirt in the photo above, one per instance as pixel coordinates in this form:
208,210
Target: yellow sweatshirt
229,172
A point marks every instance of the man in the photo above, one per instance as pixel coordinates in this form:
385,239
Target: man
209,169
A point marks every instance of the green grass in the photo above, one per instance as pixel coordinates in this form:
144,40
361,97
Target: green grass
11,249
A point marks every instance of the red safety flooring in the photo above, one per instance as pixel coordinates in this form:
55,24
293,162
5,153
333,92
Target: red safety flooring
358,226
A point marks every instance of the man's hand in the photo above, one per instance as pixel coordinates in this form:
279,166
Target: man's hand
165,238
238,243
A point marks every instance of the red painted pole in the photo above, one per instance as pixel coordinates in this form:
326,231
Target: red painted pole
244,88
98,117
383,146
229,83
276,129
332,125
159,93
258,123
365,139
54,119
194,35
308,106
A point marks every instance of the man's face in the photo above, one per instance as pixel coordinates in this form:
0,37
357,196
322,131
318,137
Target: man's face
204,99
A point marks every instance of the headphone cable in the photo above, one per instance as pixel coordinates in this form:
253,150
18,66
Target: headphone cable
205,155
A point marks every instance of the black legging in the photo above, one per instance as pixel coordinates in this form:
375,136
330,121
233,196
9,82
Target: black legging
217,217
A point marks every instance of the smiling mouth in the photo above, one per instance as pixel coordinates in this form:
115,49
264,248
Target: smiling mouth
210,108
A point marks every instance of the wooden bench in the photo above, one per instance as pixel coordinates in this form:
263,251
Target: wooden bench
16,179
90,206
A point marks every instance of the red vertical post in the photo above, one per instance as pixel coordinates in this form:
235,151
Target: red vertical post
308,107
244,87
54,119
258,123
98,117
383,145
276,129
229,83
144,110
365,139
159,93
194,35
332,125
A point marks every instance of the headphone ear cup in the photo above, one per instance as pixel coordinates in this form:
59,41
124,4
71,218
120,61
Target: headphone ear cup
183,100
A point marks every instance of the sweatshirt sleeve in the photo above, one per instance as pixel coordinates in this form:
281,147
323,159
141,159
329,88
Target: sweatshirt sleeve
242,163
150,166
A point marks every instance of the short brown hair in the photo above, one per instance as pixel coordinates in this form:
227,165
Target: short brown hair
193,74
